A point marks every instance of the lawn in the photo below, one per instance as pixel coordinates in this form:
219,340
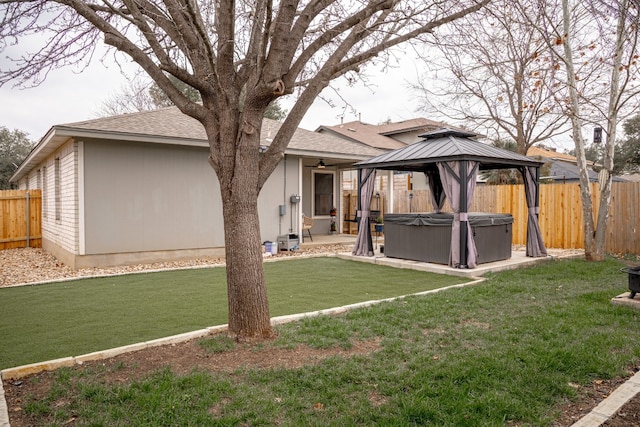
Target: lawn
506,352
44,322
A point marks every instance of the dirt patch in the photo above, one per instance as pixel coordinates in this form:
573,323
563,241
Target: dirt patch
627,416
591,396
182,358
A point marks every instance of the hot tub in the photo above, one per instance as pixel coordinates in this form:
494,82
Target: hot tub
427,236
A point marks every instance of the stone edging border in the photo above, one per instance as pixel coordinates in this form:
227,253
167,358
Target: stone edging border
609,406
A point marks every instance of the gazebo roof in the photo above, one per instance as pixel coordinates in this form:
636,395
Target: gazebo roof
446,145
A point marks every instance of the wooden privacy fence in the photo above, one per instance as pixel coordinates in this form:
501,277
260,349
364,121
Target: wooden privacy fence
561,220
560,212
20,219
350,209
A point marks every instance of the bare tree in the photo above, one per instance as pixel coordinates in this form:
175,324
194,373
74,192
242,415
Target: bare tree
131,97
141,95
600,74
220,48
493,69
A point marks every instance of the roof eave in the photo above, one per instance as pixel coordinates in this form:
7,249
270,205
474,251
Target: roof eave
326,155
58,135
484,161
131,136
34,155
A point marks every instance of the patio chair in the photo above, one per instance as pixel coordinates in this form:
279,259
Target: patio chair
307,223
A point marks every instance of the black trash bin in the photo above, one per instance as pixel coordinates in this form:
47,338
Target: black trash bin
634,279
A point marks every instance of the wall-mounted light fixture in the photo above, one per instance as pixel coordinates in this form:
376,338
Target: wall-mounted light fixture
597,135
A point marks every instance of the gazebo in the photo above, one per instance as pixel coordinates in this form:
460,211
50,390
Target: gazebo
451,160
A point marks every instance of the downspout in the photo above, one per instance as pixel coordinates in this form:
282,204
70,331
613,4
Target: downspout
284,196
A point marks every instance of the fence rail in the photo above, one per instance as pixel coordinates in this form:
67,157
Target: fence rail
561,220
20,219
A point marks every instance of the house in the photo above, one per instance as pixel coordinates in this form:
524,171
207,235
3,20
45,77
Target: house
387,136
138,188
564,167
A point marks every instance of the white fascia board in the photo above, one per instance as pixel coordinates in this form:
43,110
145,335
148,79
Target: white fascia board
58,135
327,155
134,137
34,154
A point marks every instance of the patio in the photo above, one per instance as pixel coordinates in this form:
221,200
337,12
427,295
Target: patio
518,257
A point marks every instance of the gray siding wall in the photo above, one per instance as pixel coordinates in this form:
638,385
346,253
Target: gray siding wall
150,197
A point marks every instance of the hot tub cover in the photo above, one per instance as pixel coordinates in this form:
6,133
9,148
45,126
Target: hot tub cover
442,219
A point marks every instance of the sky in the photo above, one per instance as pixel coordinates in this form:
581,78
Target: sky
68,95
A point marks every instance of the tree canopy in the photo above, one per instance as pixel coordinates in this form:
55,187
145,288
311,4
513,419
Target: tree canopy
494,72
141,96
14,147
630,146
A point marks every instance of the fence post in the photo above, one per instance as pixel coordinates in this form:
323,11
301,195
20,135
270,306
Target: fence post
28,219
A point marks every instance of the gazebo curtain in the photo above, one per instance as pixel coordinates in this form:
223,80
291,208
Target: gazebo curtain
459,183
366,184
535,245
437,191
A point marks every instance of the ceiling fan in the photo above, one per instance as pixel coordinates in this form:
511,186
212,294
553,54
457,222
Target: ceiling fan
320,165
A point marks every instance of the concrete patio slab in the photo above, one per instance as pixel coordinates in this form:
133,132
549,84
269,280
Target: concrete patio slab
623,299
518,259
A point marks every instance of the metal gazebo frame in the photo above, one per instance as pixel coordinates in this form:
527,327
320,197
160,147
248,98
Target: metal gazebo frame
451,156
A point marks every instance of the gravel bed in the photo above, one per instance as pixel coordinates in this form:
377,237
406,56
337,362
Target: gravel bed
34,265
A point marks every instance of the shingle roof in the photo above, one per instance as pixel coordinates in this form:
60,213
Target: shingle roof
564,167
171,123
363,133
170,126
419,123
543,152
380,136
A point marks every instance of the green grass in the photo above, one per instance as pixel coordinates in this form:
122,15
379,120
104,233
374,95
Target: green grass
44,322
505,352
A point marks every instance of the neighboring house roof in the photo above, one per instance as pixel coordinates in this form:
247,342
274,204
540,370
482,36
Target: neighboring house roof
632,177
170,126
447,145
564,167
565,171
543,152
381,136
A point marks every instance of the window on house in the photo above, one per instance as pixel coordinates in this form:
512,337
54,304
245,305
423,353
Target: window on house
39,180
45,193
323,192
58,208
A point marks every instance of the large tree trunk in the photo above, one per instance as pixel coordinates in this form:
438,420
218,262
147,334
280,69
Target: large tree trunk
576,125
246,286
612,123
237,171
